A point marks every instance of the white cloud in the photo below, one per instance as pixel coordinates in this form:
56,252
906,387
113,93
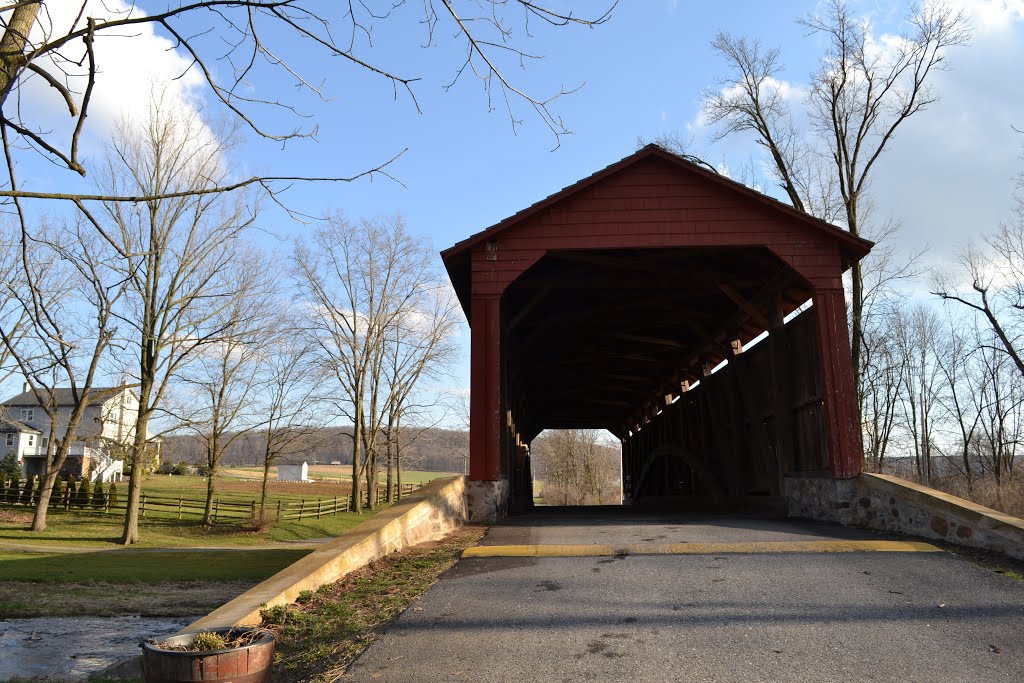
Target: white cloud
130,64
771,87
949,172
989,16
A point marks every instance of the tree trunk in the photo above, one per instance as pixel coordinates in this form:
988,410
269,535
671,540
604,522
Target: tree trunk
856,314
12,45
370,467
357,435
398,456
212,458
51,473
130,535
389,497
208,509
266,478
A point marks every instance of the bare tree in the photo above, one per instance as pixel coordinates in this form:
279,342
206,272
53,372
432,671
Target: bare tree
575,467
882,365
65,294
918,338
1002,420
962,393
882,374
419,347
14,318
175,255
357,281
223,378
860,95
995,273
232,44
289,399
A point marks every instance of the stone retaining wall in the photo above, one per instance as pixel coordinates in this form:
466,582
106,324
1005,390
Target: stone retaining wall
887,503
487,500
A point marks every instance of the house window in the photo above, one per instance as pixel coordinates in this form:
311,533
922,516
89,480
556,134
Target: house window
31,439
44,442
10,439
28,414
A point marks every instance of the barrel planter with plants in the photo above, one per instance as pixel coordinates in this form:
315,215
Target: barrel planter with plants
220,655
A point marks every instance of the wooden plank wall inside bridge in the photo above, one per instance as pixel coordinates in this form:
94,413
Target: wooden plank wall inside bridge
737,432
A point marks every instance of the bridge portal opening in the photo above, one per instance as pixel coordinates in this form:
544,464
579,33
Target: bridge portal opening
576,468
699,322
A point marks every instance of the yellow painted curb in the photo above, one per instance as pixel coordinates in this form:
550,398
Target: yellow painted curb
600,550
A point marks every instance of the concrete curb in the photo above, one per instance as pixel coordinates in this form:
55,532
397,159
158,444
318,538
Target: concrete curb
431,512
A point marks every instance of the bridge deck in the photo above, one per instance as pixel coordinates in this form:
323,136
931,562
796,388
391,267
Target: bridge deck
819,616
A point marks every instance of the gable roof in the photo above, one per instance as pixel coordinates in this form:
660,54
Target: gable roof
8,425
64,397
853,248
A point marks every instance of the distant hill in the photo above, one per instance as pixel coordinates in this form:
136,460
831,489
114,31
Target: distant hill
433,450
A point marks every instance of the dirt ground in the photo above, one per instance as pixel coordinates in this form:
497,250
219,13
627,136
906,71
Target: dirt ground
15,517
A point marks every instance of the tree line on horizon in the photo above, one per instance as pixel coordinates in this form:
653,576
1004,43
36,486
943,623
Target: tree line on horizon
432,449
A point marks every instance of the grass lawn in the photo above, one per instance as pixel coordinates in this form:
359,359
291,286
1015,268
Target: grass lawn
161,528
131,581
142,566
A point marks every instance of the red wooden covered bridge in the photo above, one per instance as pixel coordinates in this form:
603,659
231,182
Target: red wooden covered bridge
608,304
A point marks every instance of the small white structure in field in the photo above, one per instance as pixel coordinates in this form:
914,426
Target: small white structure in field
293,472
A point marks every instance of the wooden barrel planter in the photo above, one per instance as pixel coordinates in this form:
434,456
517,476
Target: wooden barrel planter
245,664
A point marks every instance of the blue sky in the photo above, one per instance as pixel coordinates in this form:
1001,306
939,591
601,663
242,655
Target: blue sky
948,176
949,171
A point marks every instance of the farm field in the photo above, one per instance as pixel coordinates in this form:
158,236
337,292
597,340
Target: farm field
161,526
341,473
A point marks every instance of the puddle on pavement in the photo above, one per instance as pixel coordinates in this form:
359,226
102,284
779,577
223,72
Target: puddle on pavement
73,648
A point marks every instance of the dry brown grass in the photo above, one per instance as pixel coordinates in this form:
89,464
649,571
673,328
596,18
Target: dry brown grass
1007,497
14,517
322,489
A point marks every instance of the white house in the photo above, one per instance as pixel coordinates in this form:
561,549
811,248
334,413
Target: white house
293,472
106,430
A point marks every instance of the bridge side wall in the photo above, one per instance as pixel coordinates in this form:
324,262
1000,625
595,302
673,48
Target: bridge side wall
742,428
887,503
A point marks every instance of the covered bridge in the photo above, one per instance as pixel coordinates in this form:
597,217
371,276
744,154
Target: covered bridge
608,304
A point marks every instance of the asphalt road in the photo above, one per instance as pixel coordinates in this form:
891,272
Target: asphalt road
851,616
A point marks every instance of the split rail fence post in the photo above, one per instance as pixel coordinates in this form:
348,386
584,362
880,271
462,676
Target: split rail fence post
180,501
335,507
318,508
302,508
279,510
143,504
216,508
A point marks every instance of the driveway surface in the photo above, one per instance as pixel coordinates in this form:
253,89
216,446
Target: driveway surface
727,615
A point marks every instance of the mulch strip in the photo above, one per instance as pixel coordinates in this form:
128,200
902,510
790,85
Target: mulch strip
325,630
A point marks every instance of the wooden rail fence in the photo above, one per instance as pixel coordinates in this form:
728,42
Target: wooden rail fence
221,511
